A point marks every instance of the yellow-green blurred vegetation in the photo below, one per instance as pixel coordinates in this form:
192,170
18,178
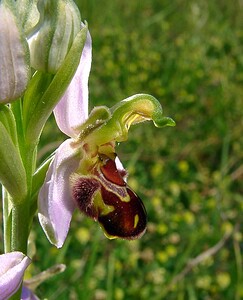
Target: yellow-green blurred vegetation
189,55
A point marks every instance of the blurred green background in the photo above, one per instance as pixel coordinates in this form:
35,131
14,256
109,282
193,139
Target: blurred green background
188,54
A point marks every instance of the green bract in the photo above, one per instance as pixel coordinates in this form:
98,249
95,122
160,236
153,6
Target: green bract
45,90
8,121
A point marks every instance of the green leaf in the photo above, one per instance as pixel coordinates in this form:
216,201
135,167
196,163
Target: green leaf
8,120
39,175
12,172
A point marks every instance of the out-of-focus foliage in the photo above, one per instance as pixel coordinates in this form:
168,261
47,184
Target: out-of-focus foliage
188,54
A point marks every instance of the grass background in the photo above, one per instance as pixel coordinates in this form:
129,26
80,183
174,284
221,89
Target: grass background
188,54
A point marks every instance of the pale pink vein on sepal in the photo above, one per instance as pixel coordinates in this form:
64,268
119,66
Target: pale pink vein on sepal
13,266
55,203
72,109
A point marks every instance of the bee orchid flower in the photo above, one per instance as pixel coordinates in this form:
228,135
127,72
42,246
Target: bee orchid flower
86,172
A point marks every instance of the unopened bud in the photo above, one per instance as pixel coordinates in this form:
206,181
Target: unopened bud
58,25
14,56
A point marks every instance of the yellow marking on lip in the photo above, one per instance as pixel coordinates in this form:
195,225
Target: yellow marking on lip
136,219
104,209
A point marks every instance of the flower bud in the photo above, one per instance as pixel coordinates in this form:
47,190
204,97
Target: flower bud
58,25
28,14
14,56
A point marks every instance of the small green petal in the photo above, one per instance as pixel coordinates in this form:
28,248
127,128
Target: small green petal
165,121
133,110
98,116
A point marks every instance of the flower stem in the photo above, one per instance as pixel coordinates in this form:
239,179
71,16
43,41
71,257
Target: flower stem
7,221
20,227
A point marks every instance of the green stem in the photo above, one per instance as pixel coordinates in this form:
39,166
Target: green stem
17,224
20,227
16,228
27,150
6,221
29,160
16,108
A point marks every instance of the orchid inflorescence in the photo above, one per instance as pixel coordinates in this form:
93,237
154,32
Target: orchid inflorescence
45,61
